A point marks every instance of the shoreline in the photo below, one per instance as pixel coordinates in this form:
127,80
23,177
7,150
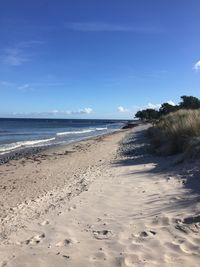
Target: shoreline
31,151
37,179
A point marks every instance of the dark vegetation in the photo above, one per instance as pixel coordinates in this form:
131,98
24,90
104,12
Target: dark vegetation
187,102
176,129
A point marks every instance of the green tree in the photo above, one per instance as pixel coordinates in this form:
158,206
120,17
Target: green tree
147,114
166,108
189,102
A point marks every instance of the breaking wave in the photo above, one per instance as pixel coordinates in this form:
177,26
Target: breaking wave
9,147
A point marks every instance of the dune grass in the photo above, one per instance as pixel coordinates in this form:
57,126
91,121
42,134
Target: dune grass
176,132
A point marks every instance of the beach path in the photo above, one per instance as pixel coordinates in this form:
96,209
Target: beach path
133,210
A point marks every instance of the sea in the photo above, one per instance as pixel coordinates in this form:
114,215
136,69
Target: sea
17,134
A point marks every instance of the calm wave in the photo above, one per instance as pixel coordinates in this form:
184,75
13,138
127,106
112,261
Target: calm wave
16,134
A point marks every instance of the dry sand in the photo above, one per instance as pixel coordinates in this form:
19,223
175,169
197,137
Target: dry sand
102,202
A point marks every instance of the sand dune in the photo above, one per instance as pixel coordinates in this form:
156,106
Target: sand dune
106,204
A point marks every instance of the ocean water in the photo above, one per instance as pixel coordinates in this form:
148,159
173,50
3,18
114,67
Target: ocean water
16,134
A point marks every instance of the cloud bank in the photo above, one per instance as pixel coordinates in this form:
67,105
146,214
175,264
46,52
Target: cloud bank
55,113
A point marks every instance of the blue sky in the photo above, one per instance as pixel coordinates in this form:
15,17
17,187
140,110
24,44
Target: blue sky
96,58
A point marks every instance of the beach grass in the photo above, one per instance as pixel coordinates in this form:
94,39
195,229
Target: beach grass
176,132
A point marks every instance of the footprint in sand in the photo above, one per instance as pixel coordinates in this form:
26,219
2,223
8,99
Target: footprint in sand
4,264
34,240
145,234
66,242
102,234
189,248
188,224
129,261
182,228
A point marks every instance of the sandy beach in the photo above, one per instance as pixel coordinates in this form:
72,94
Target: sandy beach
103,202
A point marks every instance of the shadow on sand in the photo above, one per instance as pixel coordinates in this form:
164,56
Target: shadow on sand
136,150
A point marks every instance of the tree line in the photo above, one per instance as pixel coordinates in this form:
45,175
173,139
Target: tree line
187,102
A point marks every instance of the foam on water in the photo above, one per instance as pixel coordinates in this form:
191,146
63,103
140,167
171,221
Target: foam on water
102,129
75,132
17,134
82,131
9,147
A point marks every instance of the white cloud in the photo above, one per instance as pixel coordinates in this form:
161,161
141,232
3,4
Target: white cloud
197,66
81,111
157,106
153,106
55,111
171,103
121,109
87,110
